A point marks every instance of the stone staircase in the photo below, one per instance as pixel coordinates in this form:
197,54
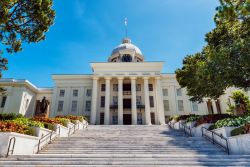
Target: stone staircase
130,146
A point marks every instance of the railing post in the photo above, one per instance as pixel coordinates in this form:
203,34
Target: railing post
202,131
213,137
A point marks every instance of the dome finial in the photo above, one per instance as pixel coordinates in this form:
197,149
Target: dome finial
126,27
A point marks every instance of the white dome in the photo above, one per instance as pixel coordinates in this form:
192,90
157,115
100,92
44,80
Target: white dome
126,45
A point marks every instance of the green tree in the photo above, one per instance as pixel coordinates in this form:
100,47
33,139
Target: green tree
225,58
23,21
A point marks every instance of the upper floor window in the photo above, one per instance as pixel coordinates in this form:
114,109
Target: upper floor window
138,87
115,100
179,92
3,101
165,92
180,105
151,101
138,100
115,87
166,105
75,92
88,105
150,87
62,93
74,106
88,92
102,101
102,87
195,106
60,106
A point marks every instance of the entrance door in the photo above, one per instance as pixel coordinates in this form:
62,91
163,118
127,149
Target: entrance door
101,118
152,118
127,119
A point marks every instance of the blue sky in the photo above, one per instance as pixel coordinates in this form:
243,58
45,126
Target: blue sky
87,31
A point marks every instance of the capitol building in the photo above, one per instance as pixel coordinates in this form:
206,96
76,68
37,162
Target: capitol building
125,90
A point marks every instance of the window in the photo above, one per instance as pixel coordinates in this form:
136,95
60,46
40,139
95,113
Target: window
195,106
180,105
3,101
115,119
88,92
138,87
179,92
88,105
166,105
165,92
150,87
138,100
139,118
151,100
101,118
115,87
62,93
126,58
75,92
103,87
74,106
115,100
60,106
27,104
102,101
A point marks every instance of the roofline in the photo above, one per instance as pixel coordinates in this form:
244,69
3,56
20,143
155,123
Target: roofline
26,83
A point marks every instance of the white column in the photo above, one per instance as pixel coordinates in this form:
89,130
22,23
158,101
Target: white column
94,101
160,107
107,101
120,100
147,106
133,100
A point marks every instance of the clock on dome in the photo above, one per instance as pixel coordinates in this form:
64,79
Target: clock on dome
126,58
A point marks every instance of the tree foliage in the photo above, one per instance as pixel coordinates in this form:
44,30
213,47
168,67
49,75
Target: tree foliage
225,60
23,21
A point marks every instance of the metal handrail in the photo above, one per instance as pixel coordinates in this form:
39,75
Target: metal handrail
225,148
74,129
44,138
185,128
13,146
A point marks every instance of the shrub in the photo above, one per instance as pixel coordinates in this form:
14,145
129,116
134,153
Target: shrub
210,118
64,121
192,118
234,121
241,130
181,117
49,120
10,116
28,122
10,126
72,117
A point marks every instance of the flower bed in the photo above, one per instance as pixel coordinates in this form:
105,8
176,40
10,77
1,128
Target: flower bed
10,116
241,130
234,121
210,118
181,117
72,118
10,126
50,121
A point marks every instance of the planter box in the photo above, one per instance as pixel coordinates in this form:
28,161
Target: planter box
239,144
80,125
39,132
63,132
190,124
85,123
197,131
225,131
25,144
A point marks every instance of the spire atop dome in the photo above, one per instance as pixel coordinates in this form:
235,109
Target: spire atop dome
126,40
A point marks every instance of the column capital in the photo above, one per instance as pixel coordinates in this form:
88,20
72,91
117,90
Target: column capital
107,78
146,78
158,78
133,78
95,77
120,78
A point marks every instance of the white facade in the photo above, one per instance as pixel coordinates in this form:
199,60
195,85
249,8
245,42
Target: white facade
124,90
